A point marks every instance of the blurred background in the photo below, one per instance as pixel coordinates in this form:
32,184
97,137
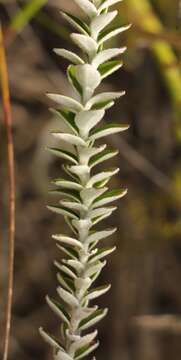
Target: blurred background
144,321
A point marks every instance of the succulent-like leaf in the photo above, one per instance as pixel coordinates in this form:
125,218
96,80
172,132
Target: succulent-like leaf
59,310
86,44
110,33
88,7
66,102
100,22
84,194
66,117
101,100
92,319
106,130
103,156
69,55
77,23
106,55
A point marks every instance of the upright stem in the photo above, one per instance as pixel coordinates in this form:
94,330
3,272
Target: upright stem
11,179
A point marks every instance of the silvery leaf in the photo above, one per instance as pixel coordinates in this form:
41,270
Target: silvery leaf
67,184
88,7
110,33
103,156
101,253
101,176
108,197
66,102
63,211
96,236
89,195
64,154
86,120
93,319
62,355
95,293
71,139
100,22
89,79
108,129
68,298
65,270
67,240
106,55
66,117
82,342
106,4
109,68
86,44
69,55
103,98
59,310
76,23
80,354
50,339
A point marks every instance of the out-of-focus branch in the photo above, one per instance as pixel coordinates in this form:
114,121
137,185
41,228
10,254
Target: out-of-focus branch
11,177
142,16
23,17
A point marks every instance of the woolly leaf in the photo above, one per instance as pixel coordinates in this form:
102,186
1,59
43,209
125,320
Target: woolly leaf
71,252
71,194
92,319
76,23
86,44
101,253
66,281
110,33
100,22
105,214
106,55
69,55
66,102
96,213
102,176
50,339
59,310
80,354
106,4
96,236
82,342
89,78
88,7
63,211
109,68
86,120
103,156
66,184
72,79
68,240
69,138
95,293
94,268
66,270
108,197
62,355
108,129
103,98
66,117
63,154
68,298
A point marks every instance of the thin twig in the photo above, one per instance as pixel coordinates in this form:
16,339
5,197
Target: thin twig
11,177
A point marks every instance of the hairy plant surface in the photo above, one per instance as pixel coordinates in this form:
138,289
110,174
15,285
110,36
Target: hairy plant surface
86,198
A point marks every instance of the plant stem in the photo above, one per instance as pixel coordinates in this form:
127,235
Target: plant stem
11,178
